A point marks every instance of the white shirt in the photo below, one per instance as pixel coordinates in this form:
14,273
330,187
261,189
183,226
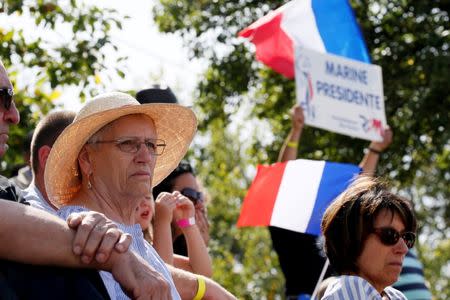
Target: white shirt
354,287
34,197
138,245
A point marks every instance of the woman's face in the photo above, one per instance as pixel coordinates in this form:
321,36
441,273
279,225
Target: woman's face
188,180
144,212
120,173
378,263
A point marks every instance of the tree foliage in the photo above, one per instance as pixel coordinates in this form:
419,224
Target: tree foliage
65,47
408,39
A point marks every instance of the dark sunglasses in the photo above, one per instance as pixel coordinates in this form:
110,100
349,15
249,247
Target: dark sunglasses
389,236
193,195
6,94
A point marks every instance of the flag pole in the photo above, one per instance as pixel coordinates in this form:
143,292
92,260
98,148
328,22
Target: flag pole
322,275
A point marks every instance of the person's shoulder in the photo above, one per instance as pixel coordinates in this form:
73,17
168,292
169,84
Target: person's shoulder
9,191
23,178
350,287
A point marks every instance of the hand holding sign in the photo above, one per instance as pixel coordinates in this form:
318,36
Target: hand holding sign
298,118
387,140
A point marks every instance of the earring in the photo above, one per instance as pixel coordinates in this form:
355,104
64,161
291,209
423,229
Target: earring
89,185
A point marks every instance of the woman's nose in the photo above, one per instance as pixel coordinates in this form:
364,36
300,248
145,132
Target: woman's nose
401,247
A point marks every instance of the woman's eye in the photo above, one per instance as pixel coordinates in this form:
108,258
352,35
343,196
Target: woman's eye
127,143
150,145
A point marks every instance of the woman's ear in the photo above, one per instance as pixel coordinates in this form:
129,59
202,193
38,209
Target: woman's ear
85,161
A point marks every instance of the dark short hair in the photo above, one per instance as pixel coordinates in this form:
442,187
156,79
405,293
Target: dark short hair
156,94
167,184
349,220
47,131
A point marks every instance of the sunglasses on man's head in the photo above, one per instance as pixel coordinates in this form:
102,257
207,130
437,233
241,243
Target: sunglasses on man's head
193,195
389,236
6,96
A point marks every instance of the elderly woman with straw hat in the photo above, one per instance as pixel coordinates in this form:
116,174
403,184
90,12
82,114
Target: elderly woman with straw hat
109,158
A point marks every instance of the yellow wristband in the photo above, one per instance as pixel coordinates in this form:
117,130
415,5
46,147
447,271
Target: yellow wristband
292,144
201,288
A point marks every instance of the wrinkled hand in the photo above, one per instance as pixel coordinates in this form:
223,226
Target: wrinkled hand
165,205
139,280
386,142
96,236
298,118
185,208
203,224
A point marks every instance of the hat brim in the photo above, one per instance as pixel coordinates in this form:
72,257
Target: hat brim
174,124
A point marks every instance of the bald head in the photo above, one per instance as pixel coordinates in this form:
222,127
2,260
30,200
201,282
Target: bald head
4,79
8,114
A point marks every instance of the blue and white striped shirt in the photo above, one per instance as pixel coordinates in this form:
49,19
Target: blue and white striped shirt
138,245
354,287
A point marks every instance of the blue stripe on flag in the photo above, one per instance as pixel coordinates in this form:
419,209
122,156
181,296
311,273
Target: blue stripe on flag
339,30
335,179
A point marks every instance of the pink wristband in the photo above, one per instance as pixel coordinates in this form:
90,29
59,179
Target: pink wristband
183,223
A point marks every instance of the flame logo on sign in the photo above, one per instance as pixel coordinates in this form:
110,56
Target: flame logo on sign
371,124
305,88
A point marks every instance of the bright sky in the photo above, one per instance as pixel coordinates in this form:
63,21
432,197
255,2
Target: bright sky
152,57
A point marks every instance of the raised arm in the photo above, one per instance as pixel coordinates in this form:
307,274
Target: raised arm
370,160
290,146
198,260
165,205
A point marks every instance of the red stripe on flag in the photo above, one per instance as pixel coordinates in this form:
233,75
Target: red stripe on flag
261,196
273,46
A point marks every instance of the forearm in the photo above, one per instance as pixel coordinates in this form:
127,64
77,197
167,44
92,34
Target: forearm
290,146
162,240
185,282
187,285
32,236
369,163
29,235
370,160
199,258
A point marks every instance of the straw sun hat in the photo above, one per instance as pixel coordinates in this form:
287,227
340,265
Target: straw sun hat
175,124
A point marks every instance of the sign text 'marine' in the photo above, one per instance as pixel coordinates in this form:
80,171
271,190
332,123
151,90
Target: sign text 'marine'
346,72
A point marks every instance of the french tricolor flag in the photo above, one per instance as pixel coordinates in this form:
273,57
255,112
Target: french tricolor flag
294,195
327,26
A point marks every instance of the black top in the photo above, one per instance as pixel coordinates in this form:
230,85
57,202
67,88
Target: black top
180,246
8,191
300,260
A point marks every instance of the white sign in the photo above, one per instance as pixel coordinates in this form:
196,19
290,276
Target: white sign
340,94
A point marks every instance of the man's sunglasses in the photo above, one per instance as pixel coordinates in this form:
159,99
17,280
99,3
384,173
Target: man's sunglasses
6,94
193,195
389,236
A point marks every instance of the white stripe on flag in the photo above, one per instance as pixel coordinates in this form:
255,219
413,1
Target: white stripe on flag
297,194
300,24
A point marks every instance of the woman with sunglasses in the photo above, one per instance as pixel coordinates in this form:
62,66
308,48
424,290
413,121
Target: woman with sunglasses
368,231
155,218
